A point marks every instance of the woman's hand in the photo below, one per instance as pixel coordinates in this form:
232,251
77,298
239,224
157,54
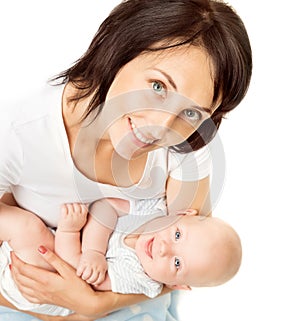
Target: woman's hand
63,288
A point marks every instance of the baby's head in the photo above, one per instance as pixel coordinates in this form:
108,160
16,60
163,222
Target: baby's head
194,251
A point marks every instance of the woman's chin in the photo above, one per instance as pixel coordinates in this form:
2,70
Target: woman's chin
128,153
128,150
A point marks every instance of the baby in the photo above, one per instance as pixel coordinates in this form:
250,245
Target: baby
144,251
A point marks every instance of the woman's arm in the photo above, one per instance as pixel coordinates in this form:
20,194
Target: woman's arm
62,288
183,195
44,317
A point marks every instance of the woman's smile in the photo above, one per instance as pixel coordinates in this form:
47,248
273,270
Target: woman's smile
139,136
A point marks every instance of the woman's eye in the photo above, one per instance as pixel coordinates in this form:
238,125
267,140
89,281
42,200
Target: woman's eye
177,263
177,235
192,115
159,88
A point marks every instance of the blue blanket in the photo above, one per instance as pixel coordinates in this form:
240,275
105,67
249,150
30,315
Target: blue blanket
159,309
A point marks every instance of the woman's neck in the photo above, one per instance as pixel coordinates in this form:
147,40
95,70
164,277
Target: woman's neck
94,158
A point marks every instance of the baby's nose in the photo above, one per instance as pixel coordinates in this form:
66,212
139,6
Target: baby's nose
164,249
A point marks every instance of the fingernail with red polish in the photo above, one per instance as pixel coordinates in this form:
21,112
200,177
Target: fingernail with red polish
10,266
42,249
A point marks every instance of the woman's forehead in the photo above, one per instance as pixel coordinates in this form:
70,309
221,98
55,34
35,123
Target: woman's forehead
188,67
167,55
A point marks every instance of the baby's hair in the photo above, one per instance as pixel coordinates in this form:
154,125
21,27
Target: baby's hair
226,254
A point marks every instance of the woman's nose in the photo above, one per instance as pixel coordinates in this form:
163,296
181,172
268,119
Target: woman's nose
159,123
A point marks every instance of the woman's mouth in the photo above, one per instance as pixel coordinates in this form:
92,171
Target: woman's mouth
139,135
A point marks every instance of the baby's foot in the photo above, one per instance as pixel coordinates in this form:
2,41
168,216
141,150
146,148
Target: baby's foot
73,217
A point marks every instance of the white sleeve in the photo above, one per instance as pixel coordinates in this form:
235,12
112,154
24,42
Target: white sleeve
11,159
148,207
191,166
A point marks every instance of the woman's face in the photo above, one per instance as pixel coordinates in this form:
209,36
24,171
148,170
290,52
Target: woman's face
158,100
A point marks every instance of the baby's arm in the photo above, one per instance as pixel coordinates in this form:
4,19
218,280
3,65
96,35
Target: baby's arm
101,222
92,265
67,238
24,232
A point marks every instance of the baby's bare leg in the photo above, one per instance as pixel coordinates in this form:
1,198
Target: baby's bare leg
67,238
25,232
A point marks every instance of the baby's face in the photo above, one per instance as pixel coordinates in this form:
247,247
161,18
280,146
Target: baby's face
171,256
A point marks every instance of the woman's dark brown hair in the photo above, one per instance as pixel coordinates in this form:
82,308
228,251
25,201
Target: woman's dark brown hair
136,26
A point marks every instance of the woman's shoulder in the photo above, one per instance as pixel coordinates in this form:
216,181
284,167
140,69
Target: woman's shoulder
190,166
40,102
174,163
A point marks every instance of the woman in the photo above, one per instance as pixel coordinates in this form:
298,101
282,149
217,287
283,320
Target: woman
130,120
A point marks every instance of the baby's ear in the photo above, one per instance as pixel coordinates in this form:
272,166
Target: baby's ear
189,211
179,287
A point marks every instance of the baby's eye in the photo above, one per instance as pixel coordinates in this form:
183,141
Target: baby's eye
159,87
192,115
177,235
177,263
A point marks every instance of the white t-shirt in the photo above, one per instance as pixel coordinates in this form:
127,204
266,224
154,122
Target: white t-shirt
36,163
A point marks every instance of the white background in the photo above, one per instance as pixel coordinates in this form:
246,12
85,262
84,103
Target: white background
261,194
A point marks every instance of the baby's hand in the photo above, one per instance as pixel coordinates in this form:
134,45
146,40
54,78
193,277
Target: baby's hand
92,267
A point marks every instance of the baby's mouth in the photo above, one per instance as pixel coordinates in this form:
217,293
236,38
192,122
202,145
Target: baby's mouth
148,248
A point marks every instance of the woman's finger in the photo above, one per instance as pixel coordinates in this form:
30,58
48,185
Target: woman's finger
20,268
56,262
44,286
27,286
25,283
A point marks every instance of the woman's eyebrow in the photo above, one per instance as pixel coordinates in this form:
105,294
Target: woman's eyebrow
172,83
168,77
207,110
